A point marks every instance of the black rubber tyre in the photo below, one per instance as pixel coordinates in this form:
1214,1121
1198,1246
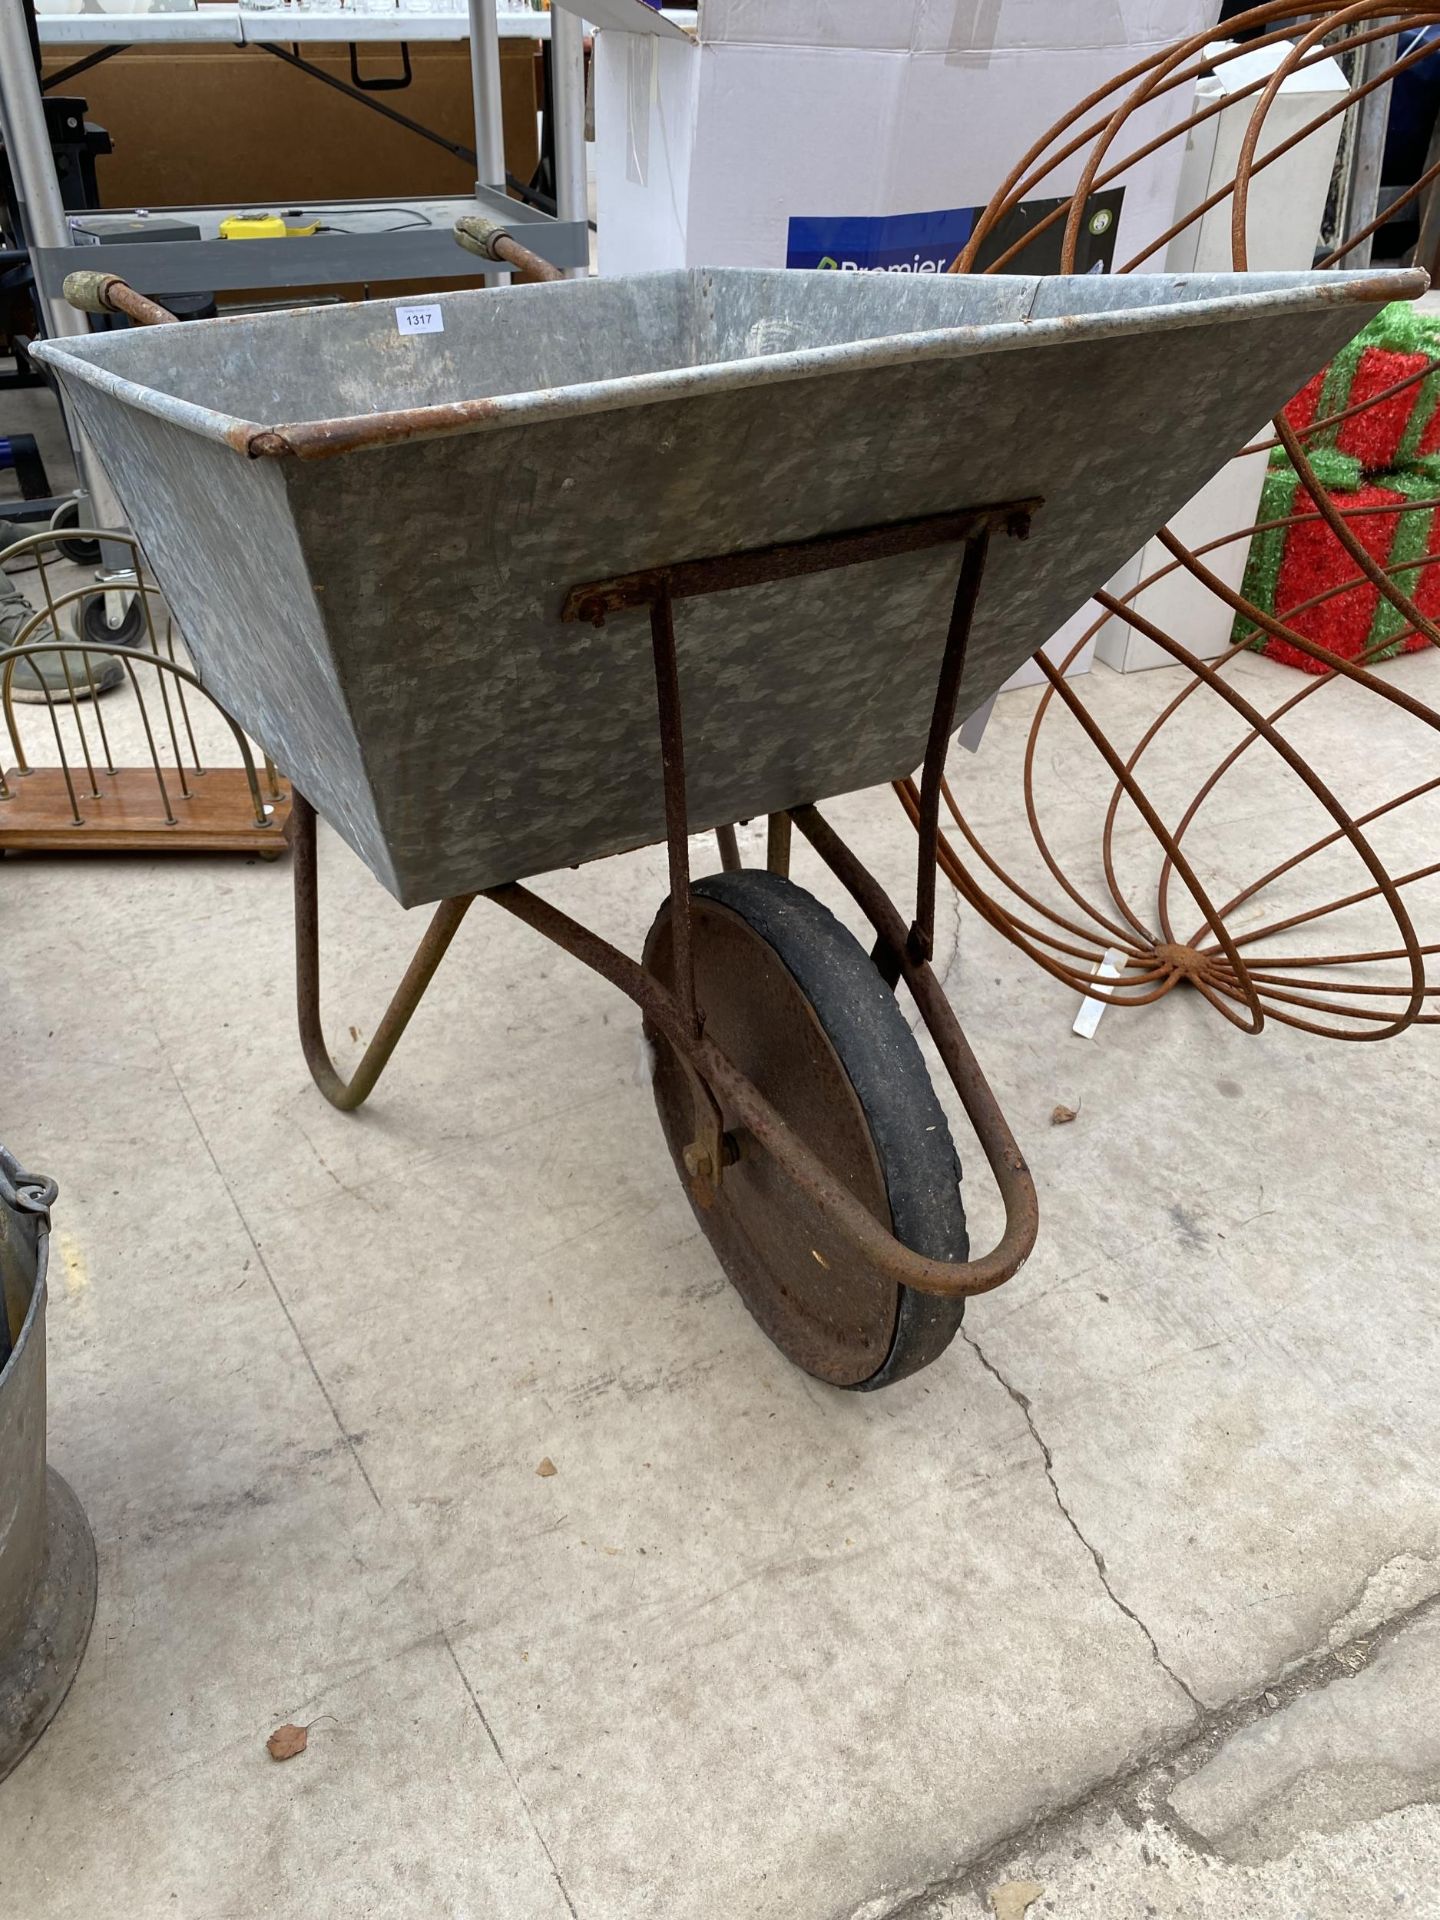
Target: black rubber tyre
84,553
794,1000
95,628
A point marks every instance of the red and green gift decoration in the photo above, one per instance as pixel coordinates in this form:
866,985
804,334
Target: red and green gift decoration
1400,349
1416,541
1380,467
1299,571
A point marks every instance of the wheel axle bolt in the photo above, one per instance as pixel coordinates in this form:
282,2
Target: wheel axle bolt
698,1163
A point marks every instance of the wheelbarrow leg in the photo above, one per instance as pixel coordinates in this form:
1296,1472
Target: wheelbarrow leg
349,1094
777,848
942,725
729,849
920,941
672,760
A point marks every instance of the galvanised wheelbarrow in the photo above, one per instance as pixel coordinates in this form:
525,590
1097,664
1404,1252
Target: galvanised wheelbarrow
450,579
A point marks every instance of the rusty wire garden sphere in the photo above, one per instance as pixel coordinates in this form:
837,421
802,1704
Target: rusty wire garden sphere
1319,932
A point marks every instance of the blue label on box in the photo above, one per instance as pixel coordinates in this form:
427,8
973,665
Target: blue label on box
929,242
893,243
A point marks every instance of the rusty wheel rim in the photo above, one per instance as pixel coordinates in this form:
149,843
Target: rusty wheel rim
826,1310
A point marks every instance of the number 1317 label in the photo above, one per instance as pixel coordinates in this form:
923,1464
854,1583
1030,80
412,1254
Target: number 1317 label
419,319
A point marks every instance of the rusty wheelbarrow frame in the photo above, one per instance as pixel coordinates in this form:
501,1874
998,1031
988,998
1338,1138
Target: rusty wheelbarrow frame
902,952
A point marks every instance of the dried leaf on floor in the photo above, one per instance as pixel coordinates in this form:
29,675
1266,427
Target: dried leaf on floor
1062,1116
1014,1899
285,1742
547,1468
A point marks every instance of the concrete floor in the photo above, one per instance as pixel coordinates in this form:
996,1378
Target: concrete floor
1127,1602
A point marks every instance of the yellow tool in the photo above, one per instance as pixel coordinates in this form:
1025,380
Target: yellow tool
262,226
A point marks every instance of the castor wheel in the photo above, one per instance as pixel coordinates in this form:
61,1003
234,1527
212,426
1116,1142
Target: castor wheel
796,1004
96,628
84,553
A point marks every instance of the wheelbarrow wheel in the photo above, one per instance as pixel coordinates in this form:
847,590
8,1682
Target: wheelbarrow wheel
795,1003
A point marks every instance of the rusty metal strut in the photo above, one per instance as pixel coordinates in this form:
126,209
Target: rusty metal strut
349,1094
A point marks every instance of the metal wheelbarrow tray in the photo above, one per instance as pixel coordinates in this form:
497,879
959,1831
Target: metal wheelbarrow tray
448,580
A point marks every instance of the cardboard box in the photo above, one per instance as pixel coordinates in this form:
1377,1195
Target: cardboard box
864,135
200,124
1179,605
882,124
1287,198
1058,650
1286,207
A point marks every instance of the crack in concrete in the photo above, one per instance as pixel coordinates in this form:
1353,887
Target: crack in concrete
1094,1552
555,1872
1140,1793
957,928
264,1265
948,967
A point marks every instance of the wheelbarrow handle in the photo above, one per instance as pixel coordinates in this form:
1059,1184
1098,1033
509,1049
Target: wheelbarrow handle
492,241
93,292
